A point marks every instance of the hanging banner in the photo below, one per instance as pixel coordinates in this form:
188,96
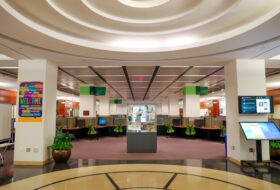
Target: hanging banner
30,101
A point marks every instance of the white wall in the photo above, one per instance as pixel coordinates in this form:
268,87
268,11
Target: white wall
276,114
37,135
87,102
243,77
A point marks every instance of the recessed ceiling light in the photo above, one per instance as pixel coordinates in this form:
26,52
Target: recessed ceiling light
73,67
211,66
167,75
139,75
107,66
86,75
4,57
169,66
113,75
117,81
277,57
194,75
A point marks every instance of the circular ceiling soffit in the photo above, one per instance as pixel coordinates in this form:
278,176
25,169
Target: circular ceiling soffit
143,3
76,23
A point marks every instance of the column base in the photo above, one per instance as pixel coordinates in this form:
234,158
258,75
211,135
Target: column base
233,160
32,163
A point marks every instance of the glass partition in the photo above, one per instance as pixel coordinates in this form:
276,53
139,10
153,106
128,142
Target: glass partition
141,118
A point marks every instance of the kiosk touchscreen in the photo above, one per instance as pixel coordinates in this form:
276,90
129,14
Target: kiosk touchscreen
260,130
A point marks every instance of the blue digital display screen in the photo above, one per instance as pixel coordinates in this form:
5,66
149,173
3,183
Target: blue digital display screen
260,130
102,121
116,118
255,104
162,118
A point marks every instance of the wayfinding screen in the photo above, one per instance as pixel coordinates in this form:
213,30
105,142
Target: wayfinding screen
260,130
255,104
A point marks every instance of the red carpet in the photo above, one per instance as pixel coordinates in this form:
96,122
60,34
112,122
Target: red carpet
114,148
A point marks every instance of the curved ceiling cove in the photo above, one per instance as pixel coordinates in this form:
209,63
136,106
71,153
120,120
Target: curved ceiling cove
143,3
142,25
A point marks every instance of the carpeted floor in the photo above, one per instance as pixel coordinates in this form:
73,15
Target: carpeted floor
114,148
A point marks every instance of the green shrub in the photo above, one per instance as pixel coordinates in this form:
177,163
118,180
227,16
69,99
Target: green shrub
91,130
223,130
190,130
169,128
274,144
62,142
118,128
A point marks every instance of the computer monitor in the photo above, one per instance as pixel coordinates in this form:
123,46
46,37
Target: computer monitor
116,118
102,122
162,118
224,123
260,130
199,122
81,123
177,122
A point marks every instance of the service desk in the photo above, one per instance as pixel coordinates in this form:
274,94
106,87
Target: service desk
210,133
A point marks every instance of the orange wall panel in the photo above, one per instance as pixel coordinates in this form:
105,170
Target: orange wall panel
8,96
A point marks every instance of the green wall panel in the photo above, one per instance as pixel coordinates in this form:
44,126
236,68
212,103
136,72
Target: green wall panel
100,91
84,90
189,90
203,90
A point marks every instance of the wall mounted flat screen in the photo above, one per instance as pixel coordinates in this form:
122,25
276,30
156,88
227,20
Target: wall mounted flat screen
260,130
102,122
255,104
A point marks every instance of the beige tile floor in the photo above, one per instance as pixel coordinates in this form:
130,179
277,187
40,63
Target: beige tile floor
141,176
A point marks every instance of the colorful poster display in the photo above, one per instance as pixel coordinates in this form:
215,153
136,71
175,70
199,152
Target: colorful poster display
30,101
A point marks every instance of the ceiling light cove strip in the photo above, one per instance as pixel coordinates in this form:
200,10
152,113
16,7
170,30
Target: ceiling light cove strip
139,21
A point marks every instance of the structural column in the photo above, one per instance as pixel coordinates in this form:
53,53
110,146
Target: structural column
191,106
164,107
243,77
87,106
36,118
173,105
104,105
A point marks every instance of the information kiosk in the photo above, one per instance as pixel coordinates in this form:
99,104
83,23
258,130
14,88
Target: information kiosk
141,129
259,131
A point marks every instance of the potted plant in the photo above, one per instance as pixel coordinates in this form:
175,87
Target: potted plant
118,128
170,129
91,131
190,130
61,147
274,150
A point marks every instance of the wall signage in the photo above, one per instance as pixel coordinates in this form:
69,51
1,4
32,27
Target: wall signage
30,101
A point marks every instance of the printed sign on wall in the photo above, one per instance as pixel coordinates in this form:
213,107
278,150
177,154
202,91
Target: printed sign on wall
30,101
